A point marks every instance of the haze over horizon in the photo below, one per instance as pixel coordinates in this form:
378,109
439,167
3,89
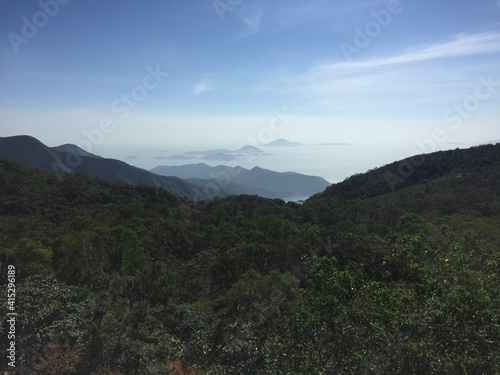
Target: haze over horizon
109,76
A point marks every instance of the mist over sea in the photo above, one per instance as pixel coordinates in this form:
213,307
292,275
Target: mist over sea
332,162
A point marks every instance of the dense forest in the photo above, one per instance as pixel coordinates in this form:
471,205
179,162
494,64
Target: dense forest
394,271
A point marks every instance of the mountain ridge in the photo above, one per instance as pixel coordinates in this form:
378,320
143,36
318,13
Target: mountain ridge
71,148
412,274
31,151
260,181
414,170
202,182
281,142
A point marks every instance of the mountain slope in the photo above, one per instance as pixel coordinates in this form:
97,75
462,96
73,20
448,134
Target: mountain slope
69,148
258,181
417,170
283,143
392,284
444,187
204,182
31,151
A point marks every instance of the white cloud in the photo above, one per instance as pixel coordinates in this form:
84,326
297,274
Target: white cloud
462,45
201,87
382,81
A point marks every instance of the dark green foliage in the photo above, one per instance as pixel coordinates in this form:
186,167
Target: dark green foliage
456,165
120,279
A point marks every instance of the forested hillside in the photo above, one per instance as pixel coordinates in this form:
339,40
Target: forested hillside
365,278
195,181
71,158
475,162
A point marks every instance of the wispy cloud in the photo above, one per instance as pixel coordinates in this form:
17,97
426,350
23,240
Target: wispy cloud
383,82
461,45
203,86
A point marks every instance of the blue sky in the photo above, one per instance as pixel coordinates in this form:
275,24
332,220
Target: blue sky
367,71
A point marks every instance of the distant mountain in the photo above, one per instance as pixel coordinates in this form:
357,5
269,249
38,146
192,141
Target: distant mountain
208,152
219,156
70,158
220,151
174,157
200,170
195,181
283,143
239,180
249,150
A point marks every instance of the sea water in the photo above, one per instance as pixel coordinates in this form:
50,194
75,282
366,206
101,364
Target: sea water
332,162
